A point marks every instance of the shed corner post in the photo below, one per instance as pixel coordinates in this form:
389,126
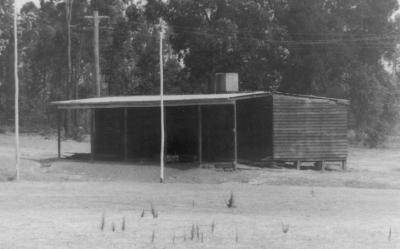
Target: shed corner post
125,134
344,164
58,133
200,134
298,165
92,134
323,165
235,135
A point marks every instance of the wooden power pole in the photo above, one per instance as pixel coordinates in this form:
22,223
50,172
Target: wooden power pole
96,50
17,152
68,14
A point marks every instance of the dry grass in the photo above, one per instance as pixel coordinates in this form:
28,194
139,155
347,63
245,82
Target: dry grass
285,228
346,211
123,225
237,236
102,222
142,214
58,214
154,212
192,232
213,227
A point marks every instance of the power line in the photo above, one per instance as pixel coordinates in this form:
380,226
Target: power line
364,38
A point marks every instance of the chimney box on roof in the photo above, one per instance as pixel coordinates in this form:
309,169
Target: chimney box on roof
225,83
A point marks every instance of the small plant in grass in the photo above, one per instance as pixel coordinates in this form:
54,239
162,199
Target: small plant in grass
312,192
202,237
102,222
193,204
113,227
390,234
153,211
153,236
173,239
237,236
192,232
213,226
231,202
285,228
123,224
142,214
184,236
197,232
12,178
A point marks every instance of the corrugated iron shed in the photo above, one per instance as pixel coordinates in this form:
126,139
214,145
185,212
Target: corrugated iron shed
257,125
308,129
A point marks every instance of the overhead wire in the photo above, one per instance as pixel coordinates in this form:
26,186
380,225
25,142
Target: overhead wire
386,41
368,36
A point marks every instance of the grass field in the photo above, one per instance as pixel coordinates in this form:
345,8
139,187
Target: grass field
60,203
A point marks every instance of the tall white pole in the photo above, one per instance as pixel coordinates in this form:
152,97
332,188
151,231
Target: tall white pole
17,154
162,103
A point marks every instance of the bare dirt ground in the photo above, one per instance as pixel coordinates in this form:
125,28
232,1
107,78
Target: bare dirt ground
60,203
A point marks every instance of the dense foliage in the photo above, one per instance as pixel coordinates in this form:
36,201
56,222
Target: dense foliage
333,48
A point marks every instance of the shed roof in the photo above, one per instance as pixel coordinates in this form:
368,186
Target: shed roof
154,100
169,100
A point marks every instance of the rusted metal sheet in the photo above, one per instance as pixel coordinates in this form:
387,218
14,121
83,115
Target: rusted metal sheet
309,129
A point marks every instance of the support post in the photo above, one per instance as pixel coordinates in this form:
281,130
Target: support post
58,134
92,134
97,72
200,135
96,22
344,164
235,135
323,165
298,165
16,97
125,134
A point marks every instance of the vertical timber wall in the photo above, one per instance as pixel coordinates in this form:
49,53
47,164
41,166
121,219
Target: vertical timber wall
309,129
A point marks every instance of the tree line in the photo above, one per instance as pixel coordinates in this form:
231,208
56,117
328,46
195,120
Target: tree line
332,48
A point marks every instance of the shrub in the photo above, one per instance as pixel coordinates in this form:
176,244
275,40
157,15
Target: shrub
231,202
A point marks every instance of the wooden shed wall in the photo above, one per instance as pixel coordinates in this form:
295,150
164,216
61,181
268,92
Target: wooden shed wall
309,129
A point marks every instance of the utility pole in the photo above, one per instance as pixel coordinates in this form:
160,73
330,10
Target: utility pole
68,15
71,115
96,51
17,153
162,152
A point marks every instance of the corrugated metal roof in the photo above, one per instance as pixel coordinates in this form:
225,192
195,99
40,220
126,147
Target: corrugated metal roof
173,100
154,100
